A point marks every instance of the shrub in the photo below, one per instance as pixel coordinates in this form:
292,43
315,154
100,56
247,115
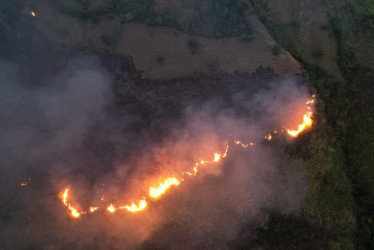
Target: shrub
160,60
325,27
318,53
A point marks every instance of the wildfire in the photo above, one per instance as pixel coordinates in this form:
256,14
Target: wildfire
218,156
133,208
93,209
65,195
268,137
25,183
307,120
194,170
74,212
242,144
65,200
158,189
111,208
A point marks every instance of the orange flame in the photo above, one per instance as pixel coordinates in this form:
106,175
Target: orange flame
218,156
32,13
242,144
25,183
111,208
268,137
133,208
65,196
74,213
157,191
93,209
307,120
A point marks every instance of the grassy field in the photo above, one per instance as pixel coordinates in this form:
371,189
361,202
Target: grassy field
184,55
167,53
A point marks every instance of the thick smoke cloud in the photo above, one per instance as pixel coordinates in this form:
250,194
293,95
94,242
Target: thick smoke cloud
54,117
42,129
54,129
209,209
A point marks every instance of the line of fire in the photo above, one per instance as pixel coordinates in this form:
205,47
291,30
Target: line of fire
157,189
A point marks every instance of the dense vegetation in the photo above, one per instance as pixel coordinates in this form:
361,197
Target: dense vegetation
201,17
340,154
359,131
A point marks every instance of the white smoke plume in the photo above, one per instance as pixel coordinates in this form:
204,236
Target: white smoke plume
55,130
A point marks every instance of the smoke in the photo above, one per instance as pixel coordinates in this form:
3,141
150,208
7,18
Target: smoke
54,117
42,129
209,210
72,130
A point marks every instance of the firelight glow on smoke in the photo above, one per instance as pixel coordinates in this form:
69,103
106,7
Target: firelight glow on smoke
157,189
133,208
306,123
65,200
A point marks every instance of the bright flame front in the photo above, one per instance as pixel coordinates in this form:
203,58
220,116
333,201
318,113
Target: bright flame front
307,120
158,190
133,208
74,213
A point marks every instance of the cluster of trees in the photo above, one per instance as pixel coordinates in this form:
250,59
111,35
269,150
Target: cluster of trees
219,18
211,18
359,130
339,152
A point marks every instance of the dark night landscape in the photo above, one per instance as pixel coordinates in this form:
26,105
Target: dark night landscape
187,124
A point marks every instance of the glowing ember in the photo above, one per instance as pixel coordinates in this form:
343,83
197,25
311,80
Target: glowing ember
194,171
25,183
32,13
111,208
202,162
226,150
268,137
93,209
157,191
242,144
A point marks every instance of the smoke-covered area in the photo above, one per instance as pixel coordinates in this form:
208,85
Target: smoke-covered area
99,128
